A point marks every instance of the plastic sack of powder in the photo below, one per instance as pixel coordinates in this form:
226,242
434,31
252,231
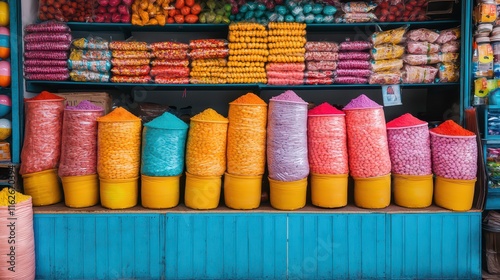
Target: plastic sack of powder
409,146
163,146
327,140
79,140
366,138
454,151
42,137
246,136
287,157
118,145
206,144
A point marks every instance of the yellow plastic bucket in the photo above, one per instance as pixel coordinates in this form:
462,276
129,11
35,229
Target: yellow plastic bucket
242,192
202,192
412,191
454,194
81,191
329,191
372,192
119,193
288,195
43,187
159,192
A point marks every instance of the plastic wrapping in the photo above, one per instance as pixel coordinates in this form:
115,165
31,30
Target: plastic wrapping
321,46
448,35
454,157
170,54
321,65
385,78
45,63
209,62
47,77
321,56
142,70
367,143
327,144
79,143
357,17
280,81
173,72
275,66
207,43
92,43
88,76
46,55
286,75
168,46
386,65
358,7
354,56
163,146
485,12
318,81
116,11
451,47
131,54
48,26
422,48
448,72
421,59
68,10
206,147
287,141
128,46
350,80
286,51
355,46
207,80
353,72
393,36
410,150
90,65
285,58
153,12
45,70
131,79
130,61
118,145
449,57
422,35
387,51
169,80
47,37
246,139
90,55
353,64
319,74
208,53
419,74
170,63
42,137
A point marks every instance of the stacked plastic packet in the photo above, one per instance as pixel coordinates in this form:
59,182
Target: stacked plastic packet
357,11
247,53
449,57
46,47
89,60
170,63
386,54
286,53
493,167
422,54
354,63
130,63
321,62
208,61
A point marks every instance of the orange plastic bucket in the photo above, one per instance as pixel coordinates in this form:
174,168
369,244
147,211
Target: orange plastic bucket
288,195
413,191
454,194
159,192
43,187
202,192
329,191
242,192
372,192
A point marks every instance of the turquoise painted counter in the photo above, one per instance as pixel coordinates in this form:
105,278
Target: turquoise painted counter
350,243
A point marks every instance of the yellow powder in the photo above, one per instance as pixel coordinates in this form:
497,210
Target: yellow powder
118,114
8,195
209,115
249,98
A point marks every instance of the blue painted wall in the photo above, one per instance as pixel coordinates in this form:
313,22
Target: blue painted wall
258,246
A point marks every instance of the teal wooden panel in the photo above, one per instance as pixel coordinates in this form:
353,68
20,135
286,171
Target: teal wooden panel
225,246
74,246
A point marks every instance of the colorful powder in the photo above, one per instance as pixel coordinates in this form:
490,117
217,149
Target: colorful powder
288,95
362,102
44,95
451,128
167,121
209,115
249,98
7,195
325,109
405,121
118,114
85,105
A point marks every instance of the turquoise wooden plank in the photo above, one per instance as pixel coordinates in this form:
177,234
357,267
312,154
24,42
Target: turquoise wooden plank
75,244
368,245
474,251
410,263
449,252
396,247
102,254
423,247
142,233
274,244
61,258
435,230
128,246
44,247
382,244
324,250
255,250
295,252
89,249
114,248
171,247
182,247
199,241
229,252
242,257
463,246
215,266
340,250
354,228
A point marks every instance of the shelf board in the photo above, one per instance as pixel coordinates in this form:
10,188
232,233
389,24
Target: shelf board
199,27
36,86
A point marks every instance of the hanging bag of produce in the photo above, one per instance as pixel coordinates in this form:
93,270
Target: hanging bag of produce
287,151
